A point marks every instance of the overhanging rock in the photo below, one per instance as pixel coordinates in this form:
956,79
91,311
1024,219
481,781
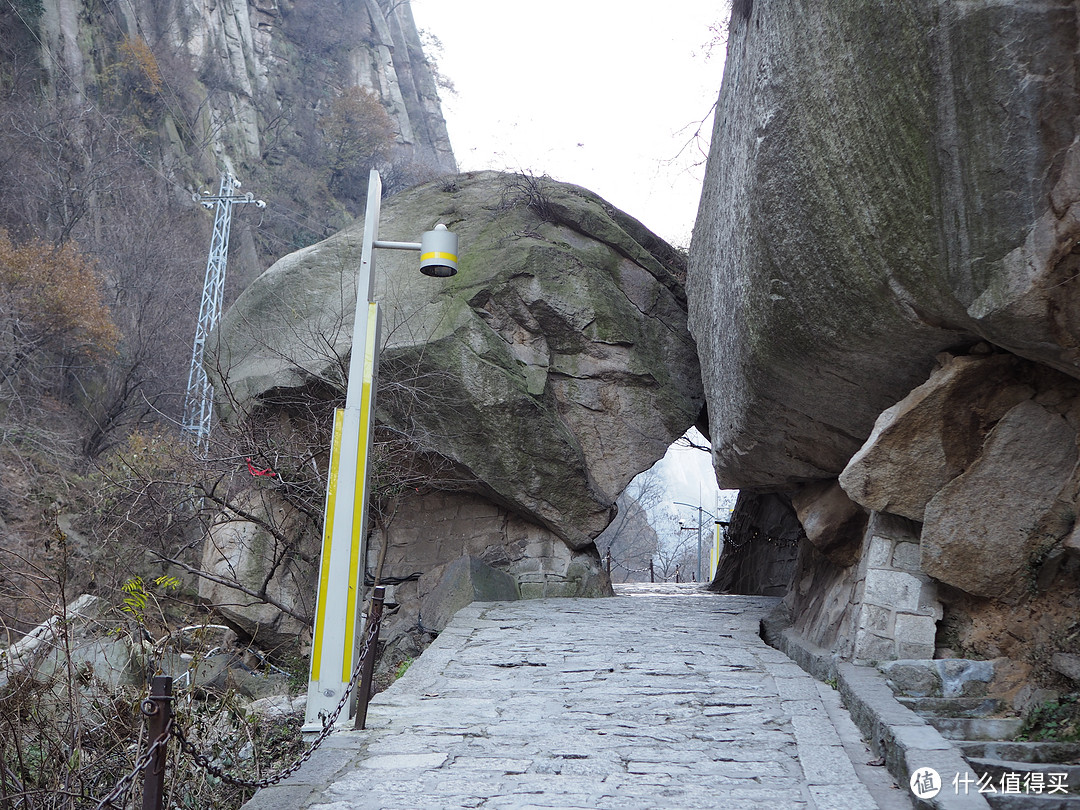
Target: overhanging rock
886,181
526,391
551,370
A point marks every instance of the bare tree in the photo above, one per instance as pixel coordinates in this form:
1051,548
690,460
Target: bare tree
676,553
630,540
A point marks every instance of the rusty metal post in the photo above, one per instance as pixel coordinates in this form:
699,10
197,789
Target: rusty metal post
158,711
367,663
652,573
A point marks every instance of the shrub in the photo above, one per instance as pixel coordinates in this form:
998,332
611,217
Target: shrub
50,303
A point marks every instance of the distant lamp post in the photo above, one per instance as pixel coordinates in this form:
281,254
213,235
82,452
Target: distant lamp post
338,624
698,528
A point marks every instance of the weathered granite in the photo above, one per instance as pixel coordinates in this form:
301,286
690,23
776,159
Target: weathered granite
885,182
991,546
554,367
252,66
516,400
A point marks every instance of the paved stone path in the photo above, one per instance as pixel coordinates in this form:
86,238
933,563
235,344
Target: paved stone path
664,697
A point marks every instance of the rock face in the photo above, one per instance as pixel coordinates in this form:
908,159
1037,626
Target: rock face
533,385
870,200
984,455
833,522
990,547
935,431
450,587
883,287
276,599
296,98
761,547
556,365
256,65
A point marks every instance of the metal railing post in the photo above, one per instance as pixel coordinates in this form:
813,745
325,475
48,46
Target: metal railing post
367,663
158,711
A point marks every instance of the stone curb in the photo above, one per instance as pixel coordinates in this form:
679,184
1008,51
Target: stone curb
905,740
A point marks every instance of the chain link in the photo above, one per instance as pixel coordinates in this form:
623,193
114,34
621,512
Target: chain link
203,761
174,730
628,568
121,787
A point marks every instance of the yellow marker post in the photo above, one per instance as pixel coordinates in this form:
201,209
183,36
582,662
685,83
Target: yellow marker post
338,629
341,568
335,638
714,558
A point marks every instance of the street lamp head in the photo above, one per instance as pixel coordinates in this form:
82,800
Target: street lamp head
438,252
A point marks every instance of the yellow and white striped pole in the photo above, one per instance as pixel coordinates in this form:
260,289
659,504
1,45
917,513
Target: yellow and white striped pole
338,626
335,638
344,552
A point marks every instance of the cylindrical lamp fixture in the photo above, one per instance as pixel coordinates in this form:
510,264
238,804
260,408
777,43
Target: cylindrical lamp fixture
438,252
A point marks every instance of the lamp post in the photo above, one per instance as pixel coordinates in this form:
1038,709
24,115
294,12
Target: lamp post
336,636
698,527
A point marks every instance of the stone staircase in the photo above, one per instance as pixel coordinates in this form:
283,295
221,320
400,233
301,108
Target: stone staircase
950,694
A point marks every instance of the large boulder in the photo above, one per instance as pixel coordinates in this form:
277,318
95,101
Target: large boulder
550,370
520,396
886,181
935,432
984,454
991,546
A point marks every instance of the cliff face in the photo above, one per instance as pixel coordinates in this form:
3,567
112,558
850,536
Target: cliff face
238,77
883,288
297,98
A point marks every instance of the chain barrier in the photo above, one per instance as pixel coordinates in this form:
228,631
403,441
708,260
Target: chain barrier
204,762
121,787
174,731
628,568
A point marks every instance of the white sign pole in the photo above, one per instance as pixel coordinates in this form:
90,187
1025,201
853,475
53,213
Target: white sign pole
338,624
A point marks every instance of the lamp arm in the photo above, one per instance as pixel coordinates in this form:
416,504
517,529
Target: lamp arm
396,245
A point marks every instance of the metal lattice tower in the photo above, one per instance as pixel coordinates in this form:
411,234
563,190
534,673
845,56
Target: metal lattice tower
199,401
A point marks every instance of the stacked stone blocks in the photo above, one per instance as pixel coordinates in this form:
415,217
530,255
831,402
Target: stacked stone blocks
898,606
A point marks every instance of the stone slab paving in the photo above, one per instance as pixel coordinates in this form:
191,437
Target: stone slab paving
663,697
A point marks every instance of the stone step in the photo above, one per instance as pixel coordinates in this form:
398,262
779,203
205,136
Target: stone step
1066,775
1031,801
945,677
979,728
1067,753
952,707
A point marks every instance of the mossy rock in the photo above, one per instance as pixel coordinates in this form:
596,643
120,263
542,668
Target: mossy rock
554,366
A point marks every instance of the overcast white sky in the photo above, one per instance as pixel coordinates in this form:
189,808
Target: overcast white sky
600,93
604,94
